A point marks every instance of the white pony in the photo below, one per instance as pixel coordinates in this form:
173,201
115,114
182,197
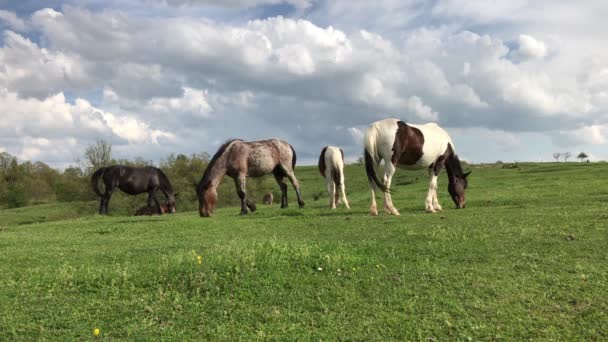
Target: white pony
331,166
412,147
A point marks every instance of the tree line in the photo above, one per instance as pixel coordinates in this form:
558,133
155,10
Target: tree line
29,183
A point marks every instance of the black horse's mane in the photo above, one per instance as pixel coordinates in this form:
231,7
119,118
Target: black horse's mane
164,180
205,180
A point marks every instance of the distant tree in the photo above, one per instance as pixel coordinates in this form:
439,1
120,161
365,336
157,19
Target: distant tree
566,155
98,155
359,161
556,155
582,156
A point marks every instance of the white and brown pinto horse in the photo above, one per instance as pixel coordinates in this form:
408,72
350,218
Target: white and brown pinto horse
240,159
331,166
412,147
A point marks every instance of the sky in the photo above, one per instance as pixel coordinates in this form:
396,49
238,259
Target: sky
509,80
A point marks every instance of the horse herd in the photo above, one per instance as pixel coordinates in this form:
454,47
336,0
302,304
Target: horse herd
395,142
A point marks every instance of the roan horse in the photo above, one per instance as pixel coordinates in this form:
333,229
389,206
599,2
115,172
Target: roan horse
133,181
239,159
412,147
331,166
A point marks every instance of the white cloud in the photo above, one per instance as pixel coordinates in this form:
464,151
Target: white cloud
587,135
529,48
13,21
168,77
236,3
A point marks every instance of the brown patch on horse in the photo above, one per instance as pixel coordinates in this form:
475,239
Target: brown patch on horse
322,166
151,210
268,198
407,148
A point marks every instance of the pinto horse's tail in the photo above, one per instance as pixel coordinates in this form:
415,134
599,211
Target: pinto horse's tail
95,180
371,159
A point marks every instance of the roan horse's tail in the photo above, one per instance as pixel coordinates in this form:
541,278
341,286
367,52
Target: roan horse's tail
293,158
95,180
370,162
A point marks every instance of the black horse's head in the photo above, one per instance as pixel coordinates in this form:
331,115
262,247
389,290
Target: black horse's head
171,202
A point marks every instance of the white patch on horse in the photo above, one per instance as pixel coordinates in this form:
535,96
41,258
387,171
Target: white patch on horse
334,176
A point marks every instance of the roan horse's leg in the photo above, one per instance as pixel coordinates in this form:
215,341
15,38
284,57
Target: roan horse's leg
278,175
241,190
294,181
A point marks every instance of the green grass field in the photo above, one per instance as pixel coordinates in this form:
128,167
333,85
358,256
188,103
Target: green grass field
527,259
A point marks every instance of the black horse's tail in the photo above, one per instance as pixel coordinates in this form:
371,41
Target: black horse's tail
95,180
293,158
370,169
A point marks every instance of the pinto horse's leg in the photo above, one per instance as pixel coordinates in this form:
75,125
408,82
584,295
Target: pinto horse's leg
373,209
241,190
431,197
389,171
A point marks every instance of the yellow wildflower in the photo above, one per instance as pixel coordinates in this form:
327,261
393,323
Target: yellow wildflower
199,259
96,332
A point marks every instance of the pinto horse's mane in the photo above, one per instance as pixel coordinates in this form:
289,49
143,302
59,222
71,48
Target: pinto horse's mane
453,166
207,175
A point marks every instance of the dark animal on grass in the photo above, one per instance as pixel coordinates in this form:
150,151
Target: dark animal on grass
331,166
133,181
240,159
267,199
412,147
145,210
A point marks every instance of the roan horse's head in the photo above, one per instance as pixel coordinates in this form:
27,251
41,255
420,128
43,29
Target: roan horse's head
207,199
456,187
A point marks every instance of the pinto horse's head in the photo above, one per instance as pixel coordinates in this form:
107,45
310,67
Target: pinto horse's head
207,199
456,187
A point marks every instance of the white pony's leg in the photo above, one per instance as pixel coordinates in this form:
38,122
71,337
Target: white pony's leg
343,190
389,171
431,196
331,189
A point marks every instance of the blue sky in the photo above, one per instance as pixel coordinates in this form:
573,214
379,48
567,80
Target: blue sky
511,81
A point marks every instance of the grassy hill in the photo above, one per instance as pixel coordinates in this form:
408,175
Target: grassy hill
525,260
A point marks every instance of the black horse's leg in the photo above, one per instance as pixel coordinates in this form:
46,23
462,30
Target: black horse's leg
152,197
241,190
105,202
279,175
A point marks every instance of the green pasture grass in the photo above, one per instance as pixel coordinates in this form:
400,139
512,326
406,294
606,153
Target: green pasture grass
527,259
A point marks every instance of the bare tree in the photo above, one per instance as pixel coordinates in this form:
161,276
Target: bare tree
556,155
98,155
582,156
566,155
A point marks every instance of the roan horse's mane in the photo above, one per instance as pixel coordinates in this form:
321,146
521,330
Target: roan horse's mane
207,175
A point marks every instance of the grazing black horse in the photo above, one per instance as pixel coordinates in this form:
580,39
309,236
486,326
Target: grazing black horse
133,181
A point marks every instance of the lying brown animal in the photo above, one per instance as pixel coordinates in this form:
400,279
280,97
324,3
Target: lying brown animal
267,198
152,210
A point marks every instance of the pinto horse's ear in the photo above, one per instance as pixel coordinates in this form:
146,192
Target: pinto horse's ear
466,174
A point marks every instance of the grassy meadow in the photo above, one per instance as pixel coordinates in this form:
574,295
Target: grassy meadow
527,259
